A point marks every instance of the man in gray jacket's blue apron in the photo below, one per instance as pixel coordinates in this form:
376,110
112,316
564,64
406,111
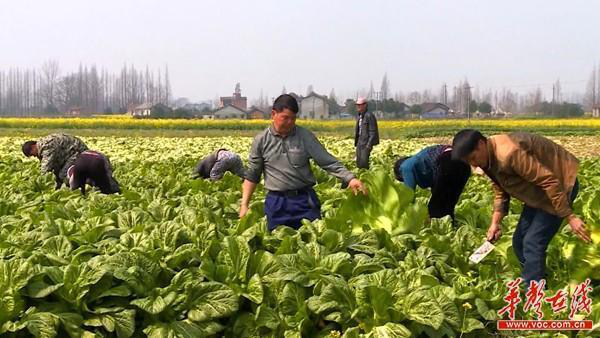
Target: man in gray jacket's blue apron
282,152
366,134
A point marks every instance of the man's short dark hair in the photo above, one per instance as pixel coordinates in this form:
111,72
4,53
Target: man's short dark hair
285,101
465,142
398,170
28,147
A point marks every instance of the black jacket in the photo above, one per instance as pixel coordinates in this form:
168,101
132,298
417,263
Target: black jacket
370,134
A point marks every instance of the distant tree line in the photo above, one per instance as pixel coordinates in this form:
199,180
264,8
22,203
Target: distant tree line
31,92
47,90
463,98
564,109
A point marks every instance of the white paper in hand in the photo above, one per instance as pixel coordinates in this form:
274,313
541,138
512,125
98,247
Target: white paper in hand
481,252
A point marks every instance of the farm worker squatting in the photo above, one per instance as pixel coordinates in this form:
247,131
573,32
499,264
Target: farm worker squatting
282,152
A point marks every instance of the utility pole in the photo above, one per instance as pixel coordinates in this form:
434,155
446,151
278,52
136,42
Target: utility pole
377,94
454,103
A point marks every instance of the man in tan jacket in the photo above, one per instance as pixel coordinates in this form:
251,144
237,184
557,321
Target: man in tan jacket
536,171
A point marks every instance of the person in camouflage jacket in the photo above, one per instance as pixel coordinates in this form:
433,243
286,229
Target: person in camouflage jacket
56,152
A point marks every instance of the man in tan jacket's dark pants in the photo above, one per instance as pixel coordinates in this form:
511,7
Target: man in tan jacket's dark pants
536,171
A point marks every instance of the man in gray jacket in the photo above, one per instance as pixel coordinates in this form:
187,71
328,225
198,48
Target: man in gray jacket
366,134
282,152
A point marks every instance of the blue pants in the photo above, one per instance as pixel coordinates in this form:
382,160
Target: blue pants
532,236
290,210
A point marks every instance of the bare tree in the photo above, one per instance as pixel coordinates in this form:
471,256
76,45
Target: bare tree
159,91
444,94
427,96
332,96
385,87
533,100
168,86
414,98
2,89
557,91
95,89
486,96
598,87
508,101
309,90
399,96
591,95
261,100
267,103
217,101
466,96
50,70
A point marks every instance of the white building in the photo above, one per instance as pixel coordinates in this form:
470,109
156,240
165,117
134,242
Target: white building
314,106
230,112
141,110
432,110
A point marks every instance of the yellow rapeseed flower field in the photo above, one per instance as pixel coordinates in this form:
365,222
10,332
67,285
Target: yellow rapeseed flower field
391,127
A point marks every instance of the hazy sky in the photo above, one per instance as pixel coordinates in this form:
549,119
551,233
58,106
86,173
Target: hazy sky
211,45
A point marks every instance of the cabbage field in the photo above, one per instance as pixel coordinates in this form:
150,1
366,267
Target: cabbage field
169,257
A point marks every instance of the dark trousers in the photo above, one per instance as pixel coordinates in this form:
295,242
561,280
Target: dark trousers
290,208
93,168
448,185
532,236
362,156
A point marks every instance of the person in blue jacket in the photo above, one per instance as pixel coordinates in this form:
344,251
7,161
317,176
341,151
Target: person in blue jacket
433,167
